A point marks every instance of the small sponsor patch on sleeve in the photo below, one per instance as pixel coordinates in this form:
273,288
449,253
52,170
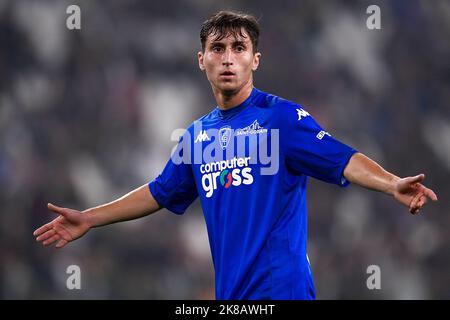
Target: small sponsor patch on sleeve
322,134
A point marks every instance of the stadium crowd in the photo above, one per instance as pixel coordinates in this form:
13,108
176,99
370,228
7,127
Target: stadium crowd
88,115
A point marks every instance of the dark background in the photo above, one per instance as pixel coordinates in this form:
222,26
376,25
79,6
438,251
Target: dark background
87,115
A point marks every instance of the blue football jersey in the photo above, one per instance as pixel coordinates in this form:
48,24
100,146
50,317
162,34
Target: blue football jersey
249,167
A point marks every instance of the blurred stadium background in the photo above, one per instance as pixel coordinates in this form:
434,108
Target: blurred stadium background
87,115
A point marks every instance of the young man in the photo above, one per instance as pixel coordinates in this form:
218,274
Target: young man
256,215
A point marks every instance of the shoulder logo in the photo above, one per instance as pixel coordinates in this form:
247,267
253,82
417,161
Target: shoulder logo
301,114
202,136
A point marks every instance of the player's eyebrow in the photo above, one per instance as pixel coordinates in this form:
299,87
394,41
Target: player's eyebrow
234,44
217,43
239,43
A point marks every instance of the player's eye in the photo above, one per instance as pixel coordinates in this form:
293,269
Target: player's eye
240,48
217,49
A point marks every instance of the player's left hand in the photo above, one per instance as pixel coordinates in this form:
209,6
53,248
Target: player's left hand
410,192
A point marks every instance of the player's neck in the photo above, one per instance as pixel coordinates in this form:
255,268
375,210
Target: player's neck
227,101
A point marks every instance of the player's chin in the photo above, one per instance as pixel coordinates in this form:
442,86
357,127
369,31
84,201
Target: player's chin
228,85
227,81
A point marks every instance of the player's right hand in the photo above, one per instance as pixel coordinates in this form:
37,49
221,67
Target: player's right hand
68,226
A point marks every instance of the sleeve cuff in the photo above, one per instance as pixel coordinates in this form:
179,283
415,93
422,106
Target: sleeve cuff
343,181
160,201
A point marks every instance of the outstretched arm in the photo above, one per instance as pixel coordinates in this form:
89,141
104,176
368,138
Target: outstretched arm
73,224
409,191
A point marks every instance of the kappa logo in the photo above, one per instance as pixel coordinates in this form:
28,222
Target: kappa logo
202,136
224,136
301,114
254,128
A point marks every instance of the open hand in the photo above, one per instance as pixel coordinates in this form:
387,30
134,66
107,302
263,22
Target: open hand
68,226
410,192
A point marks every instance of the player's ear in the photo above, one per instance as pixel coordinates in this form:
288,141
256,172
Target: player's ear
200,60
256,58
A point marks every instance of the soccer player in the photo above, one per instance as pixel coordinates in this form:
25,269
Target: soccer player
256,219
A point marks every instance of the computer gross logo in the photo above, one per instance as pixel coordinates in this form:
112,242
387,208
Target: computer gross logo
232,172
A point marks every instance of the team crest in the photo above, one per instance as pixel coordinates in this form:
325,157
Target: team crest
224,136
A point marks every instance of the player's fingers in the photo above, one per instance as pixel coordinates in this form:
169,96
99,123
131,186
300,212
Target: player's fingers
416,179
56,209
46,235
430,194
415,207
42,229
413,210
51,240
413,203
61,243
422,201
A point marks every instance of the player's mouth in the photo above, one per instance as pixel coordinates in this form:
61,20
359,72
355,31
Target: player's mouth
227,74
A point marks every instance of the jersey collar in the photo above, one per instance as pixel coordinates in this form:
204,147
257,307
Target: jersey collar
226,114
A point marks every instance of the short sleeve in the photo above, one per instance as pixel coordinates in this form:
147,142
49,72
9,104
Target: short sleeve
175,188
311,150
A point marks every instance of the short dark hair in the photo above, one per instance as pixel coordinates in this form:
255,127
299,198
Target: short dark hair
224,23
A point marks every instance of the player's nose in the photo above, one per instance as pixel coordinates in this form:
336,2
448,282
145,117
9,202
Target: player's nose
227,57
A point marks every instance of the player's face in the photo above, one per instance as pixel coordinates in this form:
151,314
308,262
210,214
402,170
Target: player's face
229,62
